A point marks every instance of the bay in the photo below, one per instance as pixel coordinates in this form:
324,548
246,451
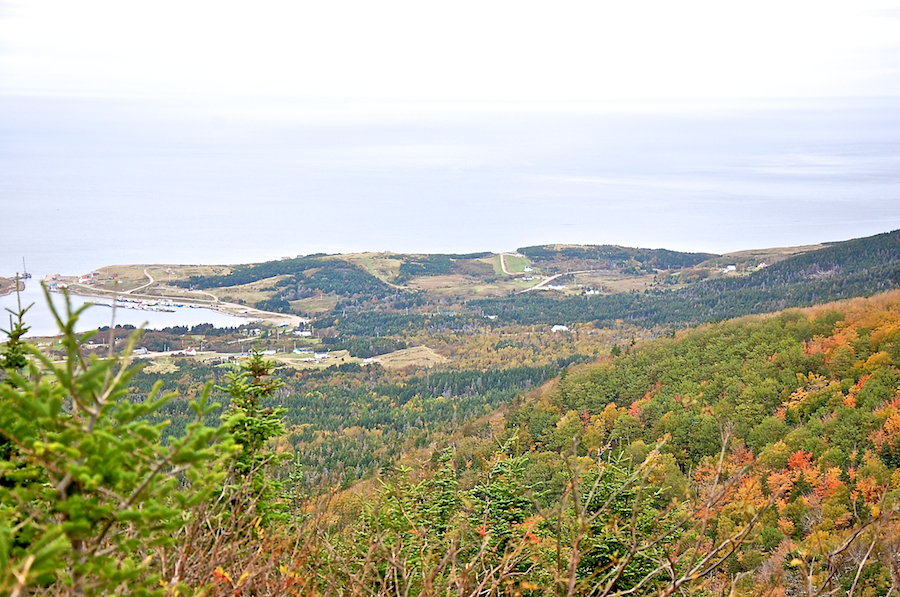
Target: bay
41,321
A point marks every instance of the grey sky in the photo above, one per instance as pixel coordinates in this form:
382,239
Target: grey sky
464,50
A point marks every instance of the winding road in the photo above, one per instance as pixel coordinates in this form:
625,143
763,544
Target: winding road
150,283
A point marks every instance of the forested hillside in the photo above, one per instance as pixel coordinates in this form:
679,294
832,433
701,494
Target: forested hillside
852,268
686,288
611,256
755,456
759,456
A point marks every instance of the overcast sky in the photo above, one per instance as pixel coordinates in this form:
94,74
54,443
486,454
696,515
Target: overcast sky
449,51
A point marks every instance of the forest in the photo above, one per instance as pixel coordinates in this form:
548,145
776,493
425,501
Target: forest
686,454
610,256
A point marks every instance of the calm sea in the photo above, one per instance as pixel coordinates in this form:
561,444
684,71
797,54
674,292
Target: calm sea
41,322
87,182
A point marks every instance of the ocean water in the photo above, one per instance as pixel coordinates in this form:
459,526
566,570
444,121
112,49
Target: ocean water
87,182
41,321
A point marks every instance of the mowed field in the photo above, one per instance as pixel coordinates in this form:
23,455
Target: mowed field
516,265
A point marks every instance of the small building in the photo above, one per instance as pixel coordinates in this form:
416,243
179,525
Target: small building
559,328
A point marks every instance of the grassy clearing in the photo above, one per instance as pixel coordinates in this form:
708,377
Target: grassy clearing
461,287
183,272
417,356
610,282
495,263
161,367
516,265
338,357
127,277
122,278
174,293
384,266
774,255
251,293
451,283
315,305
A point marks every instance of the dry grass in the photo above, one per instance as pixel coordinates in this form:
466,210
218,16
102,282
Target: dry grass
337,357
315,304
417,356
441,284
249,293
7,286
161,367
773,255
127,277
464,287
610,281
132,276
384,266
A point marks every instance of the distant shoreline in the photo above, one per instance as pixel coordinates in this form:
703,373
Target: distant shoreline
8,286
224,308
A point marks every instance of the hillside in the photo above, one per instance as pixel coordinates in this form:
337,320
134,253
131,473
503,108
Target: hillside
843,270
668,288
770,444
759,453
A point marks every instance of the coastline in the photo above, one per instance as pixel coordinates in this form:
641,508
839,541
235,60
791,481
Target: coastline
226,308
8,286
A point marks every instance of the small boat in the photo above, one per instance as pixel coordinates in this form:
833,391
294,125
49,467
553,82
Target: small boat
24,275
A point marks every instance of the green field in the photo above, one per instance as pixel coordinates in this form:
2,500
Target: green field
516,265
